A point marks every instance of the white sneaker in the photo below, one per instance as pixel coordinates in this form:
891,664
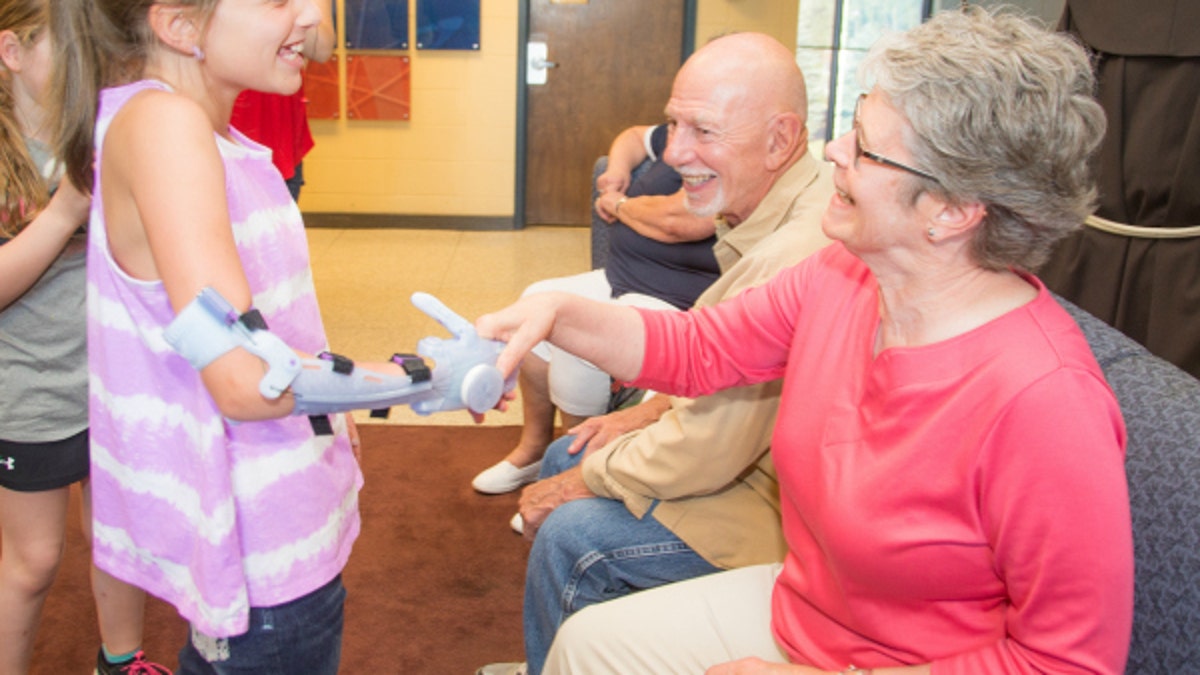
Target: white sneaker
505,476
517,523
503,669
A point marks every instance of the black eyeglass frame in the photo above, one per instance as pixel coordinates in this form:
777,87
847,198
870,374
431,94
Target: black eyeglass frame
860,151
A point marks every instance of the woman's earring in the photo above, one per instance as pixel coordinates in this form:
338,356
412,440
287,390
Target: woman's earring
197,53
931,233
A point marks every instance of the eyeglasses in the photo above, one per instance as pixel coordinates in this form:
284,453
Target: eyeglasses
860,151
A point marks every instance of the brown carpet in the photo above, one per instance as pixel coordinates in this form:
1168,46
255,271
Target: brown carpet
435,581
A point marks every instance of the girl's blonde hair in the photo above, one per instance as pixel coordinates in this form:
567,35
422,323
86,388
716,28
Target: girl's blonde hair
22,187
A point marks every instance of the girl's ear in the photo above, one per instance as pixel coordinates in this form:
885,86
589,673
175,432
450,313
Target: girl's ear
175,27
10,50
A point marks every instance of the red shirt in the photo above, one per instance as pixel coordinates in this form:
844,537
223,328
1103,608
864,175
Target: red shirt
962,503
278,122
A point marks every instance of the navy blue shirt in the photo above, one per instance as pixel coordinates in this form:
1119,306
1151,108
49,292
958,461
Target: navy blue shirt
677,273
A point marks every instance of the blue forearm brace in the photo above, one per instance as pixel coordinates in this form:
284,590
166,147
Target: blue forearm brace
466,376
209,327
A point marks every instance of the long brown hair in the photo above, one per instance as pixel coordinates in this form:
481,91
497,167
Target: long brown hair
22,187
97,44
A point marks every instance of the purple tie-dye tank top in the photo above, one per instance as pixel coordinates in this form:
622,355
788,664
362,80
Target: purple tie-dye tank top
214,517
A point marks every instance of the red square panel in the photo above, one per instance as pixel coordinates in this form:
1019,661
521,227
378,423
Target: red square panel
378,87
321,89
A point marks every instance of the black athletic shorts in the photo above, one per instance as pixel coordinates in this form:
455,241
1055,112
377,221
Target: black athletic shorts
35,467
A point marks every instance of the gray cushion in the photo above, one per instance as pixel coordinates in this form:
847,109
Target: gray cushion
1161,406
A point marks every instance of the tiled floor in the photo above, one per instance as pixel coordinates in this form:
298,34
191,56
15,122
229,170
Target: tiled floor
365,277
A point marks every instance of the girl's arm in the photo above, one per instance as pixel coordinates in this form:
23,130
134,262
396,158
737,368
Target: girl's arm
24,258
168,219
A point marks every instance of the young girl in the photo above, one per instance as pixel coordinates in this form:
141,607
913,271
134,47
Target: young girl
200,303
43,414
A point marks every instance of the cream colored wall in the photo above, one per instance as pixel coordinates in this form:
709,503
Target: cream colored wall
456,155
773,17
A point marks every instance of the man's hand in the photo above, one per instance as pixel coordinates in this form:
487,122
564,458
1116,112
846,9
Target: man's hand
541,498
597,432
607,204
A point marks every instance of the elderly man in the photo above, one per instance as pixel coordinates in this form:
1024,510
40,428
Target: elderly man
659,256
676,488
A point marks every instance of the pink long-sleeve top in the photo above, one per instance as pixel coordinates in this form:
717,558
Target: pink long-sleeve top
962,503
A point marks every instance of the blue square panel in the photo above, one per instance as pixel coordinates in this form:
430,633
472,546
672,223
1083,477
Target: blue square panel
376,24
448,24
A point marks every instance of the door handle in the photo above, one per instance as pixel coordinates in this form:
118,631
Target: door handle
537,62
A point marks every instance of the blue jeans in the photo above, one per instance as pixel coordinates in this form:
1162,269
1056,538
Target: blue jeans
301,636
591,550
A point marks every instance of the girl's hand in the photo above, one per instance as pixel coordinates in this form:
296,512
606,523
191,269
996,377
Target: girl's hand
355,441
69,206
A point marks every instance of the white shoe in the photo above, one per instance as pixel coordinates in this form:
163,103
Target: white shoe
517,523
505,476
503,669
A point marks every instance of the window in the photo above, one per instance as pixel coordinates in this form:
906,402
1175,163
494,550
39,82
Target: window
831,40
833,37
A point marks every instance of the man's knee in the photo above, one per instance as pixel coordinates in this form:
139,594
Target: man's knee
557,459
568,526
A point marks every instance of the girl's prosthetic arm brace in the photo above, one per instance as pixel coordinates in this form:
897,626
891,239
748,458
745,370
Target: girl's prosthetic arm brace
465,375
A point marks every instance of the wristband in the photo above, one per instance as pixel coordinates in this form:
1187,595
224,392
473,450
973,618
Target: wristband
617,208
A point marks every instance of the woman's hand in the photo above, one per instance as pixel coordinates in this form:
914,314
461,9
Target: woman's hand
522,325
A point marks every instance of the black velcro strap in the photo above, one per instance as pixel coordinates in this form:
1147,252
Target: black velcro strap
414,366
253,319
341,364
321,425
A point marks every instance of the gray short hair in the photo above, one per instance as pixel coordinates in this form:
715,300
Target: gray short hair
1003,114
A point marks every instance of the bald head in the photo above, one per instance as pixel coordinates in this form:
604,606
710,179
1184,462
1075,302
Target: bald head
737,111
755,66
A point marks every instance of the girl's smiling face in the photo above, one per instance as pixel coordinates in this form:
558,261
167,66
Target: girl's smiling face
258,44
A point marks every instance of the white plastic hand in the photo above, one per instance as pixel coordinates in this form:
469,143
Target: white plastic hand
465,373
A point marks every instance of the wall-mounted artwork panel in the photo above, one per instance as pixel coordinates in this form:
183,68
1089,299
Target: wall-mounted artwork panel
378,86
377,24
321,89
448,24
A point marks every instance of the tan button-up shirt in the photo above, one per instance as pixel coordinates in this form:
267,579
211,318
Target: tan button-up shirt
707,459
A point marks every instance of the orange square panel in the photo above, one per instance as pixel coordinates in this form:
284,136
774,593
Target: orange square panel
378,87
321,89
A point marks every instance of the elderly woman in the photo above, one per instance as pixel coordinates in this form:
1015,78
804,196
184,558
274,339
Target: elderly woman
950,457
